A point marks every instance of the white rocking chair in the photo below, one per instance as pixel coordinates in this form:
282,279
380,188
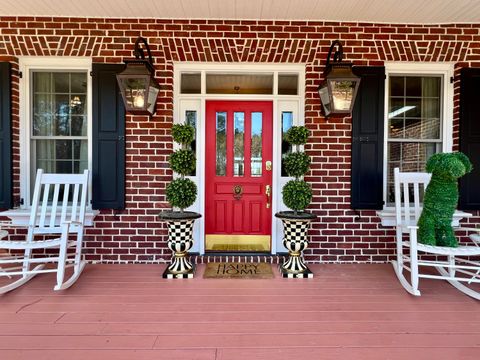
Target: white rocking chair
49,216
457,269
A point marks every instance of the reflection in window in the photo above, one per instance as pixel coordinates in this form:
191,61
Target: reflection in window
287,123
221,144
239,144
414,124
256,152
191,119
59,133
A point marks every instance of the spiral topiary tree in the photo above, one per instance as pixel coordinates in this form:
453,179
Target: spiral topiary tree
181,193
297,195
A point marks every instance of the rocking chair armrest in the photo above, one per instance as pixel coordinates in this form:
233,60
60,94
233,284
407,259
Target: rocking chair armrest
77,223
477,230
11,225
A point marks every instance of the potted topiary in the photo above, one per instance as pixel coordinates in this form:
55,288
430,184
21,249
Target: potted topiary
181,193
297,195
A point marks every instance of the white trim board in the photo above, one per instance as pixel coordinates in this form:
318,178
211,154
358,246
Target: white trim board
196,102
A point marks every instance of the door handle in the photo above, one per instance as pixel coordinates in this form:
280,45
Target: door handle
268,192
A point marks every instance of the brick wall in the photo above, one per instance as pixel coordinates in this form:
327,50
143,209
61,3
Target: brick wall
340,234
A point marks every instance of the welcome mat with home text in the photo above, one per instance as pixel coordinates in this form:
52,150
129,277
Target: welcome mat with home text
237,270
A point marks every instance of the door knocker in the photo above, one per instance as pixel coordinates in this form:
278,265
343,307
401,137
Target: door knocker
237,192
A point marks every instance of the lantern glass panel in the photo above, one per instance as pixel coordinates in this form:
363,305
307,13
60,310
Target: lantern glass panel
325,99
342,94
135,90
152,97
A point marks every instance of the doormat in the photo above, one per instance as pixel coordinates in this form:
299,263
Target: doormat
237,270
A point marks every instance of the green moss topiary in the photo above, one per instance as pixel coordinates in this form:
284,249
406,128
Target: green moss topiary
297,135
183,133
181,193
296,164
183,161
297,195
441,198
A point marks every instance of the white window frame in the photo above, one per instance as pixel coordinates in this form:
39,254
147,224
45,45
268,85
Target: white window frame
52,63
445,70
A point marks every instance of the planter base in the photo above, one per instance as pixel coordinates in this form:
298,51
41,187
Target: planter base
306,274
167,274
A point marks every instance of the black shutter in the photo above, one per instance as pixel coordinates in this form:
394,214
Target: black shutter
367,139
470,137
5,138
108,175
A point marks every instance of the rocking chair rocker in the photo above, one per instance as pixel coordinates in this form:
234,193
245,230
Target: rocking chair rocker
458,269
49,216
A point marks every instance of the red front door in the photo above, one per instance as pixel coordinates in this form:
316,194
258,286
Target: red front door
238,213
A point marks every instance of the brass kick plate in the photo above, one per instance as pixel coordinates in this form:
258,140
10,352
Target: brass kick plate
236,243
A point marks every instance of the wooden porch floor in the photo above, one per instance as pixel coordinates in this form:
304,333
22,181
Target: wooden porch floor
129,312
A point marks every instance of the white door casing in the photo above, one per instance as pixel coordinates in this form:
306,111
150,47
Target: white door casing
281,103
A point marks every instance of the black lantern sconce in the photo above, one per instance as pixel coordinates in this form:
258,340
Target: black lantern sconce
340,88
137,84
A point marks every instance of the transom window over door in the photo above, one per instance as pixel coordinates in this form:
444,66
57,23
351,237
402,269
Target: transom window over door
415,121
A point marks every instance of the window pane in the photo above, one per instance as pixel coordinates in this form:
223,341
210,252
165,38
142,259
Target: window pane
239,84
409,157
287,84
79,126
78,83
256,153
191,119
191,83
61,82
221,144
287,123
417,113
239,144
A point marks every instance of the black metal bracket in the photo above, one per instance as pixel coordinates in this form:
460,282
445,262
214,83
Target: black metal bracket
138,51
337,55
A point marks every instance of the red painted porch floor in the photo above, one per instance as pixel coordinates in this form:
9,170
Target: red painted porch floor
129,312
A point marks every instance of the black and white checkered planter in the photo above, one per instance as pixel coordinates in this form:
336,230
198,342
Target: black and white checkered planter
180,240
295,239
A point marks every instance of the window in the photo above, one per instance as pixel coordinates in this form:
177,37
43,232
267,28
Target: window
55,126
418,124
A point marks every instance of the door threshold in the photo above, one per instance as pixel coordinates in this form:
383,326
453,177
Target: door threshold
235,253
238,257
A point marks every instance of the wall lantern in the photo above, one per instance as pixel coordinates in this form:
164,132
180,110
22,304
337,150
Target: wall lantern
137,84
339,90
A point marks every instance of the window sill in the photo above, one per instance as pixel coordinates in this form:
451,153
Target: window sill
22,216
388,217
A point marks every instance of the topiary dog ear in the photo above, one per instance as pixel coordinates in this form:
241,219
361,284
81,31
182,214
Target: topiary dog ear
433,162
465,161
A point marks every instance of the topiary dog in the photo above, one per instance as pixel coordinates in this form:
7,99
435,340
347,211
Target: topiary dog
441,197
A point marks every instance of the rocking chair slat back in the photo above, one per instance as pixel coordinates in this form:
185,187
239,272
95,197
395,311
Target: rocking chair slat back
409,188
48,212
